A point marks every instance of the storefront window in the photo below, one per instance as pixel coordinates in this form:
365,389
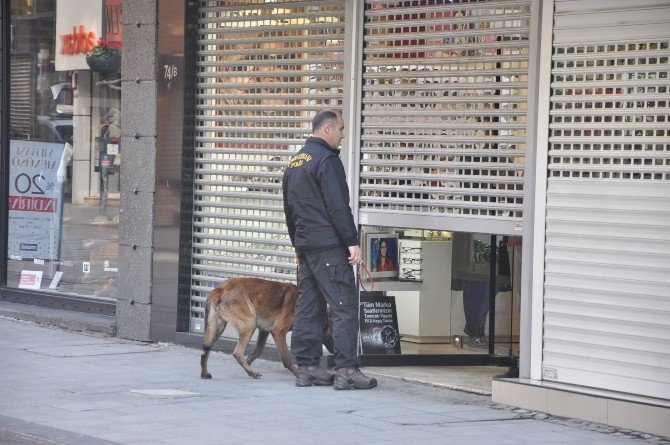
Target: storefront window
64,150
431,292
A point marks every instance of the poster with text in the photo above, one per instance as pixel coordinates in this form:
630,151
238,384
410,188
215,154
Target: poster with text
30,279
35,200
378,324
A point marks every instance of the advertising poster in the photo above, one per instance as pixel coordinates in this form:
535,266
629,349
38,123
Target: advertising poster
382,254
379,324
35,200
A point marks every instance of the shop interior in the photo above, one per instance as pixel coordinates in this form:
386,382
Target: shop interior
434,291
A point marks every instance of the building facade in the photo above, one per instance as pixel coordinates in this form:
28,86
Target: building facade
509,164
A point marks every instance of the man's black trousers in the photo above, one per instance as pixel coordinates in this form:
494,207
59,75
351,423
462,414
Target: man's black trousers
325,277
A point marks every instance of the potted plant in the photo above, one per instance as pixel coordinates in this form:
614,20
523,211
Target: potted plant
105,57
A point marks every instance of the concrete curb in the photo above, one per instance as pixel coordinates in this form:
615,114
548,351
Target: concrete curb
480,392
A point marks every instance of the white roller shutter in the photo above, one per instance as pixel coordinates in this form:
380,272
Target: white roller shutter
607,258
264,69
444,114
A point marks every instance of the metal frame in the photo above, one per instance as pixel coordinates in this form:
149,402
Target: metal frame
67,302
170,120
353,63
4,139
493,263
186,222
438,222
530,365
535,169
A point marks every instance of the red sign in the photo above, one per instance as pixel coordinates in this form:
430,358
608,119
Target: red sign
33,204
113,29
79,42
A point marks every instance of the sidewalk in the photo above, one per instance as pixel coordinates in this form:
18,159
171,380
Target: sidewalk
73,388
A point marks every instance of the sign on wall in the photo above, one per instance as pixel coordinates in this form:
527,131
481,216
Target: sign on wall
78,27
35,200
113,28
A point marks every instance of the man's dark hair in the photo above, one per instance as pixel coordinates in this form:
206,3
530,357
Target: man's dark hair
323,117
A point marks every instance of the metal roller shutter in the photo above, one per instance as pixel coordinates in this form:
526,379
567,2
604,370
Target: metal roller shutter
22,99
607,257
264,69
444,114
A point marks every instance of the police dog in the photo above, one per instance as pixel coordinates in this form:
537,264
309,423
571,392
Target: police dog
250,303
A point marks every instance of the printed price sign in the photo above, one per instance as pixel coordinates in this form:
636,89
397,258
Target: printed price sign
35,199
30,279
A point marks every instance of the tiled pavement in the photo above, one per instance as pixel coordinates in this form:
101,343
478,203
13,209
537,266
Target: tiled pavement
74,388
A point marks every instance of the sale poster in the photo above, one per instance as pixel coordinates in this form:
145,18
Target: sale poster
35,200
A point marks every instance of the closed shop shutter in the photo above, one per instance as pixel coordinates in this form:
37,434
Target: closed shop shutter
22,100
444,106
607,257
263,71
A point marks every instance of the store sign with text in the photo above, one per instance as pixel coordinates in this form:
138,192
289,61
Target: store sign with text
80,41
78,27
35,200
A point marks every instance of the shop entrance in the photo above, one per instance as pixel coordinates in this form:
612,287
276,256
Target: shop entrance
443,143
435,100
439,297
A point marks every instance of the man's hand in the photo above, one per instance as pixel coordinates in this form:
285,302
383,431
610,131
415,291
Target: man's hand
355,255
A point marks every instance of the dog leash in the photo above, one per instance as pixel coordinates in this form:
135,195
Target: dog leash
361,265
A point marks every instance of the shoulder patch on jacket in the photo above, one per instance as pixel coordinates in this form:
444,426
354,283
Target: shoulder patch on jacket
299,159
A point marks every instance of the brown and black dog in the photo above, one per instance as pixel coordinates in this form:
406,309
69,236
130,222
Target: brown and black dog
250,303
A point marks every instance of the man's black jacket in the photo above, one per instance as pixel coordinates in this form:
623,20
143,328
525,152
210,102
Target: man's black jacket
316,199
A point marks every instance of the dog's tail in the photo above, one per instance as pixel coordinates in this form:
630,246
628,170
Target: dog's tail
210,303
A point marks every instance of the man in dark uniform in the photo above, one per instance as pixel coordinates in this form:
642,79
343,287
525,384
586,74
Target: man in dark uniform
323,233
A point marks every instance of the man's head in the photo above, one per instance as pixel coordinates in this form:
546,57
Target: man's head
328,125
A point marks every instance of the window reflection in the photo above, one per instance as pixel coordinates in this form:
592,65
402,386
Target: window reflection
64,152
